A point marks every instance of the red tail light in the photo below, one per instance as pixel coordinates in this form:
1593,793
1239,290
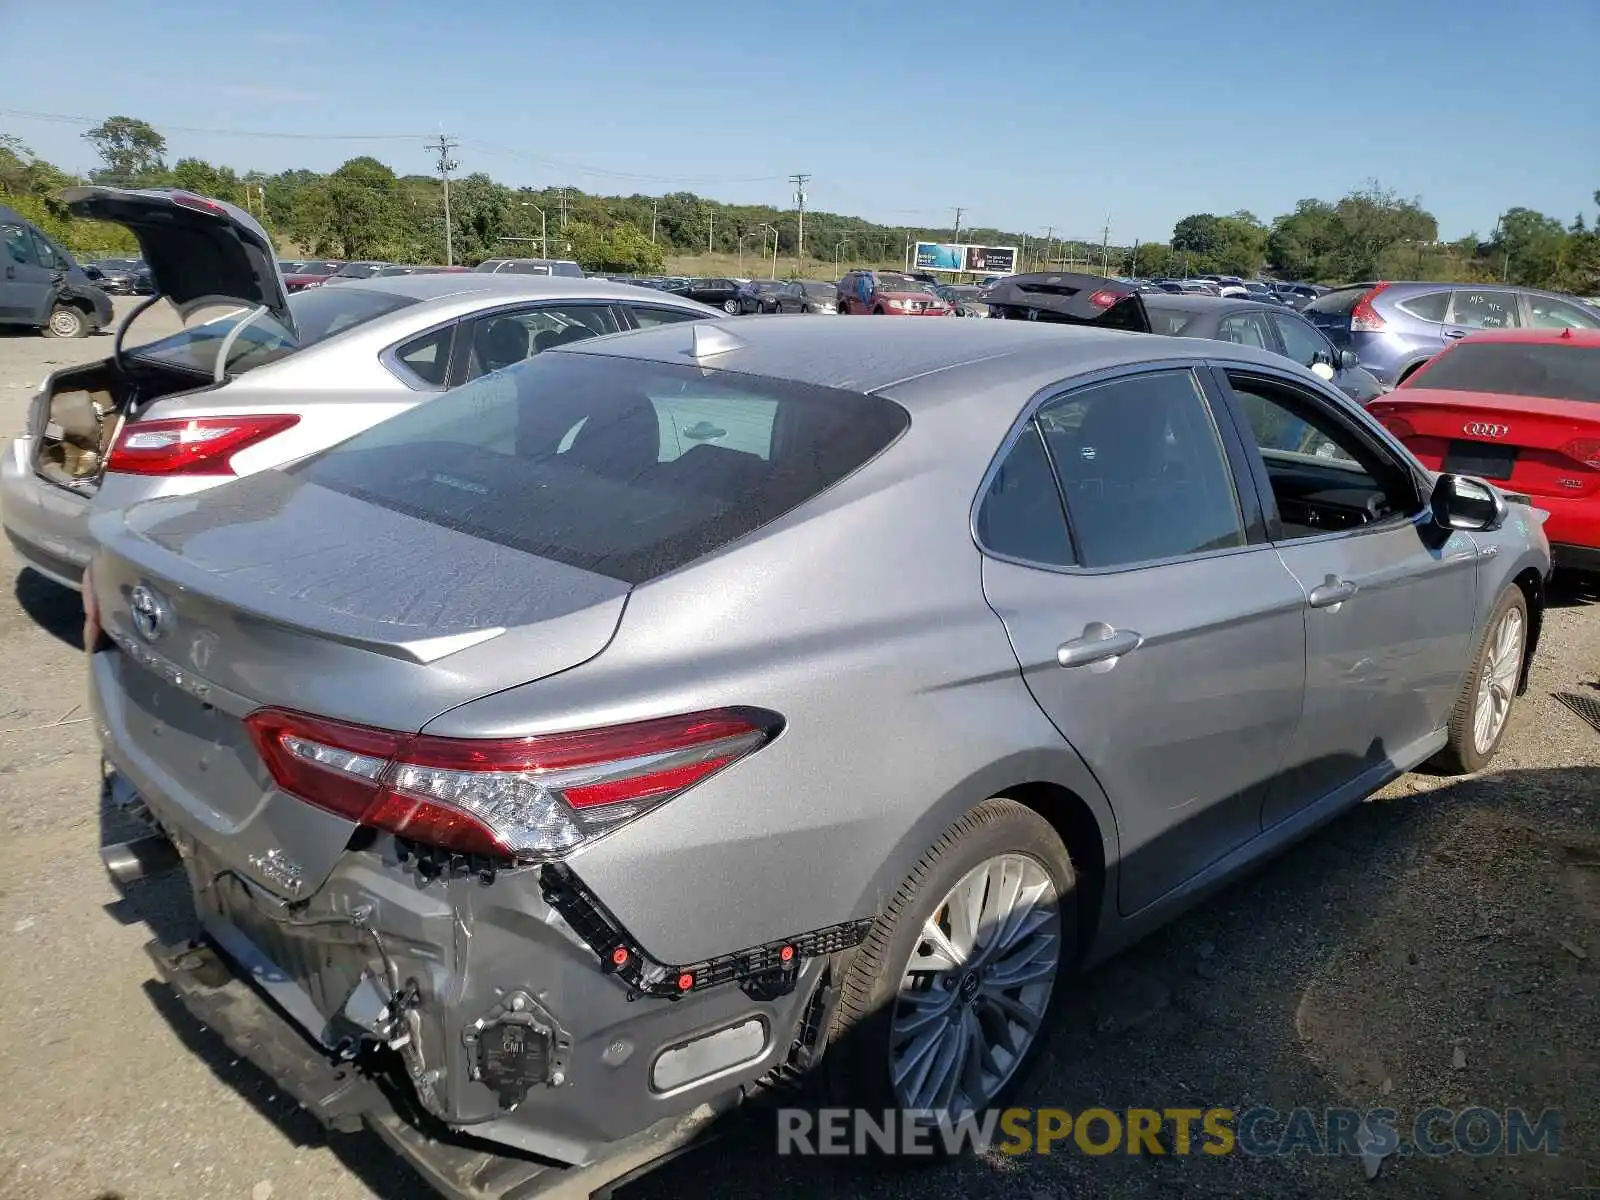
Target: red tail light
521,798
193,446
1584,450
1363,317
1105,298
1398,426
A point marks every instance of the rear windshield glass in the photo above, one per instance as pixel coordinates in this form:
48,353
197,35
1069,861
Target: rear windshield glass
1340,303
358,270
629,469
1515,369
318,314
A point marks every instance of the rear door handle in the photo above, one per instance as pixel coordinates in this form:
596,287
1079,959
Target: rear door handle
1099,643
1455,333
1331,593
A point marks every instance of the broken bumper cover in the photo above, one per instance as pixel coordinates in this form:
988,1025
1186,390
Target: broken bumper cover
344,1100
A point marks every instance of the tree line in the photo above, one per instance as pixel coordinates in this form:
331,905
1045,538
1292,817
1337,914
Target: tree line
363,210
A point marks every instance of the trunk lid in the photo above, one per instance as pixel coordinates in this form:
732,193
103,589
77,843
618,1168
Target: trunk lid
198,250
1069,298
271,592
1524,442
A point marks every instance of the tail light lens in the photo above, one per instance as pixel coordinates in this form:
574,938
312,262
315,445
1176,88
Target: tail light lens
520,798
1584,450
1398,426
1363,317
1105,298
193,446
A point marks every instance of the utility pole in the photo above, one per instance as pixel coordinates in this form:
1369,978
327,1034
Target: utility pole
1105,246
1134,271
654,205
957,237
711,229
563,210
446,164
1049,237
799,182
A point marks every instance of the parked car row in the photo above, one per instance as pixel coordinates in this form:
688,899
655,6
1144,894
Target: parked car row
572,710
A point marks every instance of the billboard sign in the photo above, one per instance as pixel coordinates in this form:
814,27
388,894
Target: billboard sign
953,256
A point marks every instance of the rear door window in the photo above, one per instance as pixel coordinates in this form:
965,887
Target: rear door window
19,245
1301,342
1484,308
1143,470
646,318
427,358
627,468
1021,514
1246,329
498,340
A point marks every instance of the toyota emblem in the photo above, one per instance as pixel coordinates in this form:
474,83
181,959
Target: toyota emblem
147,612
1485,429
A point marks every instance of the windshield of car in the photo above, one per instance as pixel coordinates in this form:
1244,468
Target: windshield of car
358,270
319,313
525,268
1549,370
825,290
626,468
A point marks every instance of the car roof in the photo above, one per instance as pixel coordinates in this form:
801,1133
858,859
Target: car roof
432,286
866,356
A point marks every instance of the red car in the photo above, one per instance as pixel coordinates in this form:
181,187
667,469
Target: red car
887,294
1520,407
310,274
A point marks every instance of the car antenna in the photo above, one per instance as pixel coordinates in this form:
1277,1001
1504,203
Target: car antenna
707,339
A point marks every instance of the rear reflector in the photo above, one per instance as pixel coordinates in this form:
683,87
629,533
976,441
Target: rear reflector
193,446
520,798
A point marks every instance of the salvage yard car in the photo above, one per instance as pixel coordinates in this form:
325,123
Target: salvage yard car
564,761
42,287
262,377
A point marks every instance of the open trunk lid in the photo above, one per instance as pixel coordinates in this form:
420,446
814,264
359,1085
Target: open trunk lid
200,251
1069,298
274,592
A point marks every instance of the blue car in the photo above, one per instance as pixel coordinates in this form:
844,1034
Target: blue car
1396,327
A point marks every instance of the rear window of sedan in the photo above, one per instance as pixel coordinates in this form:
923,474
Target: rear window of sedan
1552,372
627,468
319,314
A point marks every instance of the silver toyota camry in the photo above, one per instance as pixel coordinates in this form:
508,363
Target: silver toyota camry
562,761
259,377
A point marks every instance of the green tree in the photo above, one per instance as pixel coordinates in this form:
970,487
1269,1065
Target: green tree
1299,243
198,176
623,249
1369,222
362,214
1530,246
131,149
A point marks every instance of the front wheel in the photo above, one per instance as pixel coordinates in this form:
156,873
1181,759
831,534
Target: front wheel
732,307
66,322
1483,709
949,997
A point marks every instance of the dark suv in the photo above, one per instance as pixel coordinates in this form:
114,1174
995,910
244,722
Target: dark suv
1396,327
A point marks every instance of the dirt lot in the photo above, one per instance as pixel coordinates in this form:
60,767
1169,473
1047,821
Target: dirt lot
1440,945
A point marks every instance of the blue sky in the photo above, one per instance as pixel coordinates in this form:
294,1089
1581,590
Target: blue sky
1026,115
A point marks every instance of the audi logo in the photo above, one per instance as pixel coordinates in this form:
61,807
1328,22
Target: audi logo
1485,429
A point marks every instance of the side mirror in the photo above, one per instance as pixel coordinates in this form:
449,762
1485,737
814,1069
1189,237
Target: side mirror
1459,502
1347,360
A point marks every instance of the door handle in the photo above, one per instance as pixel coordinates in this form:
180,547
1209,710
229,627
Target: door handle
1455,333
1331,593
1098,643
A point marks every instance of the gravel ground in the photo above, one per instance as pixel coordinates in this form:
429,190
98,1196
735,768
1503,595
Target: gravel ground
1439,945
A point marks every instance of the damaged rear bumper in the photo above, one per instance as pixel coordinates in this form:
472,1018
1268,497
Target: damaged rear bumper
343,1099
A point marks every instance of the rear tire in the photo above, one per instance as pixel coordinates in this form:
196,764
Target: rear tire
897,997
1482,714
732,307
66,322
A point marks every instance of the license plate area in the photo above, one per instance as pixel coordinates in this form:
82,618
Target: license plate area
1481,459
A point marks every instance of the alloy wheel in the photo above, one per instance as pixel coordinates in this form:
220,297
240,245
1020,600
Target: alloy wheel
1497,684
974,994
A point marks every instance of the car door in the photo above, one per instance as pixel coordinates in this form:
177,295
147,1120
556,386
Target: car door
26,286
1154,625
1388,597
792,299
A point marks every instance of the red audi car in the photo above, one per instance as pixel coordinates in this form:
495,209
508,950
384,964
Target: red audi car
1520,407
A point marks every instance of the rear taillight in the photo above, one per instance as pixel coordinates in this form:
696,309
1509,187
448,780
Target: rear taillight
1104,298
519,798
193,446
1584,450
1363,317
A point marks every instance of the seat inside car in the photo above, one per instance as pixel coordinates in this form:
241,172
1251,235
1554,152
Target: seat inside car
501,342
